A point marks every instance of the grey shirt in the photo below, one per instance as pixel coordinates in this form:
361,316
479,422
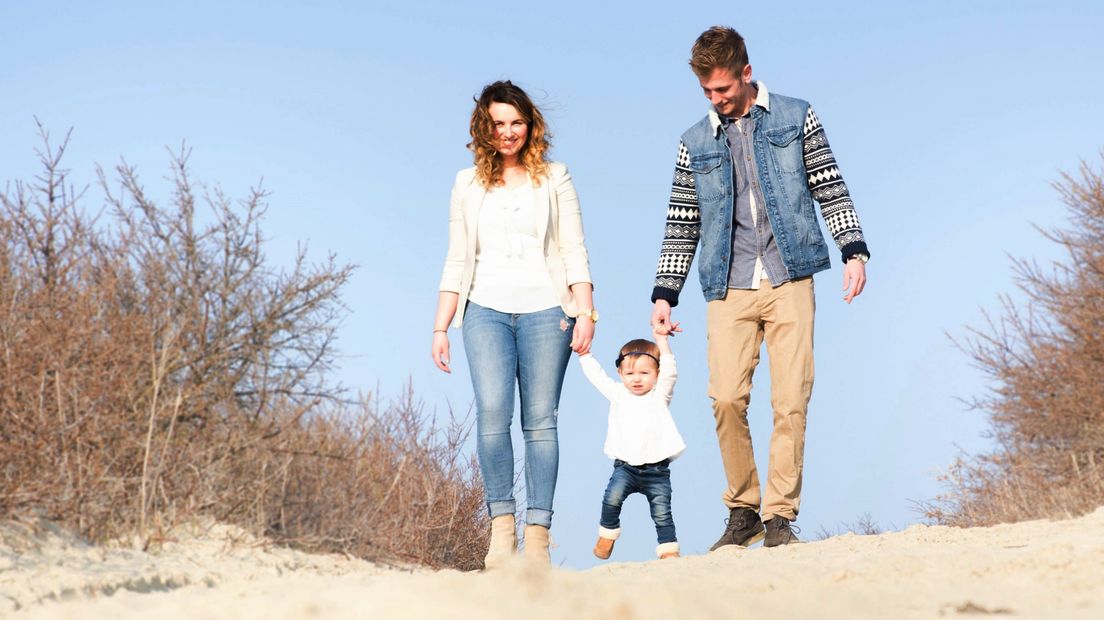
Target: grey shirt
754,252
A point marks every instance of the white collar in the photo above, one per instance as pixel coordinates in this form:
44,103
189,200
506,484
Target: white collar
762,99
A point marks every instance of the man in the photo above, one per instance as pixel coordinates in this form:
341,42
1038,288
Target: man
745,180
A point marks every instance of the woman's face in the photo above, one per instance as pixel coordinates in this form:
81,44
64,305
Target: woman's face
510,130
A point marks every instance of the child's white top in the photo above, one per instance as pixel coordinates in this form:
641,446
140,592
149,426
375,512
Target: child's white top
640,428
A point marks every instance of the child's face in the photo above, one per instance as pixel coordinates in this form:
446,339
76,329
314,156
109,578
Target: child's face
639,373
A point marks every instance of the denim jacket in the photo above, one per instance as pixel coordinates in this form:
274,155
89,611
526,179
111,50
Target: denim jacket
795,165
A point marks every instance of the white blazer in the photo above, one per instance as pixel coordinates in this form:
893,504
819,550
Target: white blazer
559,224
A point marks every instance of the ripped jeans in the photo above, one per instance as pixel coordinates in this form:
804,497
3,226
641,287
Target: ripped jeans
531,351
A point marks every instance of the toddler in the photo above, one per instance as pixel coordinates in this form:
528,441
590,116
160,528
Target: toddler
641,438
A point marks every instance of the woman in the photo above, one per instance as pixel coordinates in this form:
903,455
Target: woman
517,277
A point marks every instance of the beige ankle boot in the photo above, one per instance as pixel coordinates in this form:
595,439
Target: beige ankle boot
536,545
503,542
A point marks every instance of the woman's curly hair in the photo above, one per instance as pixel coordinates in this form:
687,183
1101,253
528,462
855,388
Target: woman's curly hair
533,155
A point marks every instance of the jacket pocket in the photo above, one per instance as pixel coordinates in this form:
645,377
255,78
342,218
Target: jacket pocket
705,163
709,180
808,227
786,148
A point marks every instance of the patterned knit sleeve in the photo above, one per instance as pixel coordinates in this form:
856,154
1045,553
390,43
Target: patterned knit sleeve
827,187
680,236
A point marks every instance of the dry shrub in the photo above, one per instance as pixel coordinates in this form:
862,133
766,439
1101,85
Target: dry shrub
1045,360
863,525
152,369
385,484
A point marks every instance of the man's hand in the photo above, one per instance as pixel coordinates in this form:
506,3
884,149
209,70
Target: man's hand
661,318
661,337
854,279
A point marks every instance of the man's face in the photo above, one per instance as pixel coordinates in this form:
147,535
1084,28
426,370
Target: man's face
731,95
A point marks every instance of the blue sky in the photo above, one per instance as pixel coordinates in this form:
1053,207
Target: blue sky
950,121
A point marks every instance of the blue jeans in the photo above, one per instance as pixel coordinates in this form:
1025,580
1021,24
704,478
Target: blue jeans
653,480
530,350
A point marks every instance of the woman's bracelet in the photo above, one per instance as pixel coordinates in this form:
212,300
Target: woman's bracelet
443,331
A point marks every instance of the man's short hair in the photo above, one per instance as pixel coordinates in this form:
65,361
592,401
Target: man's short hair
720,47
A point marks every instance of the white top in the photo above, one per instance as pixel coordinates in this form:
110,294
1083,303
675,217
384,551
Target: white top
559,227
640,428
510,273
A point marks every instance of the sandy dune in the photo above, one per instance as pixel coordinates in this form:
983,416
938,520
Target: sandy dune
1041,569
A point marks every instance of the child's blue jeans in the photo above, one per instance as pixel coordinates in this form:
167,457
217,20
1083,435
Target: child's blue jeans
653,480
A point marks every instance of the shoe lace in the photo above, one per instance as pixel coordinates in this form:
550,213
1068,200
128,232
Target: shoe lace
787,526
732,525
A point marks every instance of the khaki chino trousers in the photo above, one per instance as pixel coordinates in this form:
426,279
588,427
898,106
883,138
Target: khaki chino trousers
736,327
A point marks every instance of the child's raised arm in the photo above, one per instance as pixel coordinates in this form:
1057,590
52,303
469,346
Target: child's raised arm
662,340
598,377
668,374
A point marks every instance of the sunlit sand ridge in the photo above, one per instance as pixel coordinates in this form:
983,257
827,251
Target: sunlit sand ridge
1039,569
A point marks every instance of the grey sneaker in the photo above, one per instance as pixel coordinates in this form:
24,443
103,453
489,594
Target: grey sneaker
781,532
742,528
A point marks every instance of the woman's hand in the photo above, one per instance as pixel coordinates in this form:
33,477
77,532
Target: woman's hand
446,309
441,350
582,335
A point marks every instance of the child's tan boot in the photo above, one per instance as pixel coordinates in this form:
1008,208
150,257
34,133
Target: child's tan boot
667,551
536,545
503,542
606,537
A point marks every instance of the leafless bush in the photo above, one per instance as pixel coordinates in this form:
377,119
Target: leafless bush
153,368
1045,360
383,483
864,525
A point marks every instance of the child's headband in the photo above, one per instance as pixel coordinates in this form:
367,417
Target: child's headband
621,358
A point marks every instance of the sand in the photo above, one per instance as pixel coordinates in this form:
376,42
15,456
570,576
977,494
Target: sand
1039,569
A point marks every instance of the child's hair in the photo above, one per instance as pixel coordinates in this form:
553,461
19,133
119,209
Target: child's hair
634,349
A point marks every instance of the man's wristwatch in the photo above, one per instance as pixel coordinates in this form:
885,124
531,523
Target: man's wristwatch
589,313
863,257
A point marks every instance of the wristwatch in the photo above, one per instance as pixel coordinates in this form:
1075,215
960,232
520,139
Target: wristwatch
589,313
863,257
